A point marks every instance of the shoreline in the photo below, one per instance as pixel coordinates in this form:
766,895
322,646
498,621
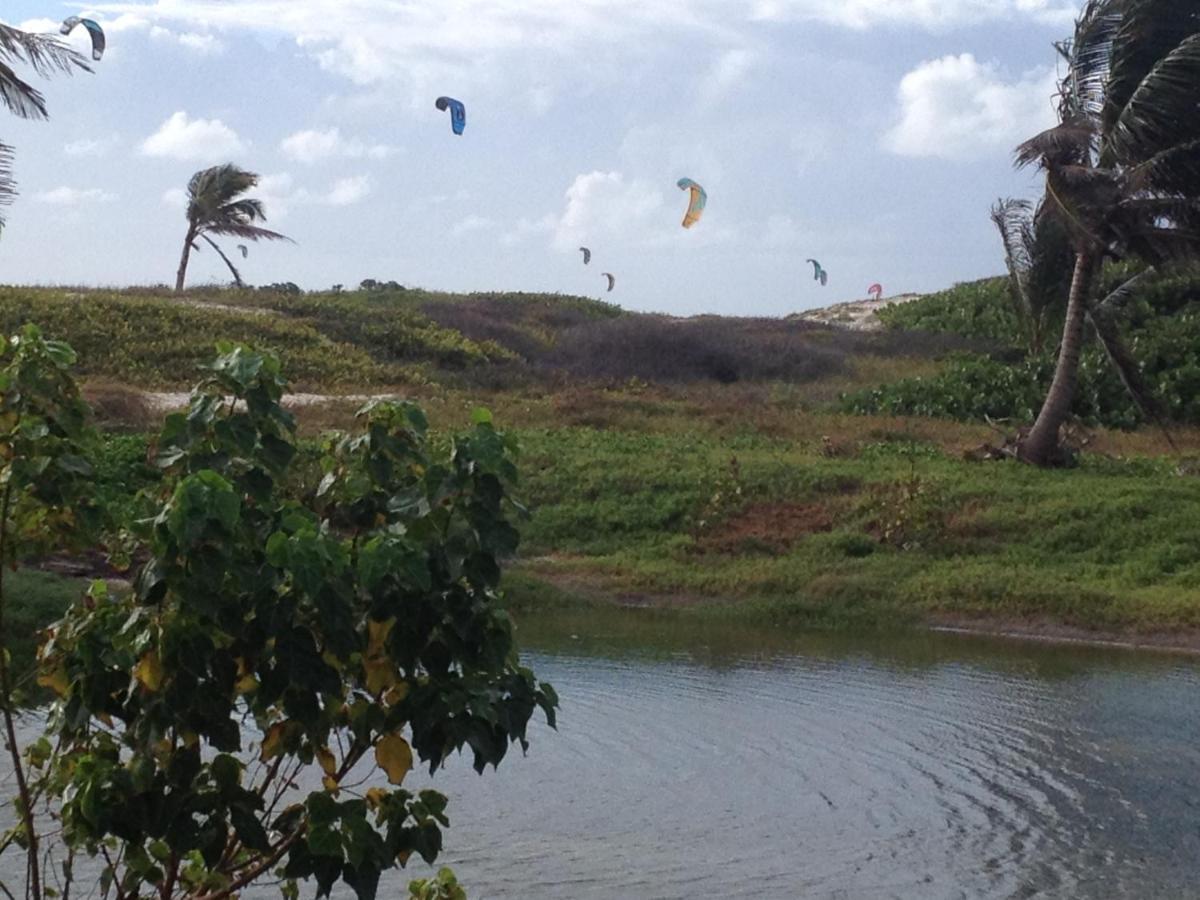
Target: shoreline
539,591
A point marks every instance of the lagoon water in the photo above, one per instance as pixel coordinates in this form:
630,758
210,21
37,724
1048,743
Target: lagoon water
709,761
696,762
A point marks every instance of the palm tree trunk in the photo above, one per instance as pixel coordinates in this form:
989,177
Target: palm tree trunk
1038,448
183,259
237,276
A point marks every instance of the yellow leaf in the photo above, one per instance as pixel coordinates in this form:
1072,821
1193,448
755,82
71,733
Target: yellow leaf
396,694
330,783
375,797
56,681
272,741
381,674
377,633
246,684
325,758
149,671
394,756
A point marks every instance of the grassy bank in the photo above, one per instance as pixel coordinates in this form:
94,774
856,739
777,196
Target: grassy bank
745,503
880,532
704,464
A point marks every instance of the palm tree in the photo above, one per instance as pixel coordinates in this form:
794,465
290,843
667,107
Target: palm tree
216,206
46,55
1122,166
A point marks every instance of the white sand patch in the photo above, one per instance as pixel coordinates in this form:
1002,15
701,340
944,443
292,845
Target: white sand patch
856,315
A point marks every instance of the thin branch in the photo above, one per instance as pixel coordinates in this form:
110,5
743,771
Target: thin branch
250,875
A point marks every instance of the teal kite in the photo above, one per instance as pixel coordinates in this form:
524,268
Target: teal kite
93,29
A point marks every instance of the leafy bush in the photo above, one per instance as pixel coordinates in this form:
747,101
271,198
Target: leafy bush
154,341
1161,325
355,631
977,309
702,349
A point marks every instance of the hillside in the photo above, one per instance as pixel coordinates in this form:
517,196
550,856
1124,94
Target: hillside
369,339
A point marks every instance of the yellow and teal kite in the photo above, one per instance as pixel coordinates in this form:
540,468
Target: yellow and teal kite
696,204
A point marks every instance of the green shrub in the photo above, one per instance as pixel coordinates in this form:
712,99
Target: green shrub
975,309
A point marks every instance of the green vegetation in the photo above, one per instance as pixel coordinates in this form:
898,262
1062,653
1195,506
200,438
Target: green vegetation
290,630
742,503
34,600
153,341
1161,326
876,532
755,497
351,341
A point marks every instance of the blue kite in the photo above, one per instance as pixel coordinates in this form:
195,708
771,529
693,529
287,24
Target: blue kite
458,112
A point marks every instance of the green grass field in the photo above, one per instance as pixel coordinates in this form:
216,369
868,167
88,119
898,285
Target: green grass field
751,496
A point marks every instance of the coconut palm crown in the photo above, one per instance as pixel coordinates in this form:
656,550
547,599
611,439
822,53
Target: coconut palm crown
1123,164
47,56
216,207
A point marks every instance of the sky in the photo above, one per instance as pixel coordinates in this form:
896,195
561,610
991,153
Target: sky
872,135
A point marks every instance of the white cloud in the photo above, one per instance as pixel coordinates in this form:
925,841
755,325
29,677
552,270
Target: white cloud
91,146
348,191
957,107
69,196
604,204
175,197
374,41
203,44
727,73
472,223
781,232
40,26
280,194
925,14
181,137
526,228
313,146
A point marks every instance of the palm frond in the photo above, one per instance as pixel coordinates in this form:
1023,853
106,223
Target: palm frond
1051,263
1149,31
1116,299
248,232
1162,246
21,98
1089,56
243,211
218,185
8,185
1011,218
45,53
1175,170
1162,110
1069,143
1103,316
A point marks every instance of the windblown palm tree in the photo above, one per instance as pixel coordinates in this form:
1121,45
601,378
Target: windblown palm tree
216,206
1122,166
46,55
